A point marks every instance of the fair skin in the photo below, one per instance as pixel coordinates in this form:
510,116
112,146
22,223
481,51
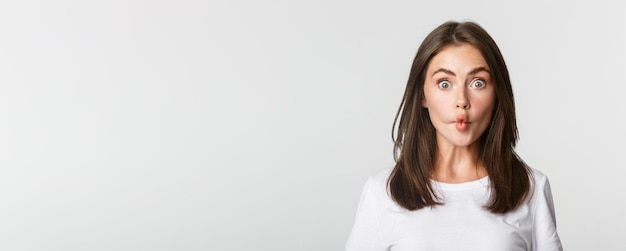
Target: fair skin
460,97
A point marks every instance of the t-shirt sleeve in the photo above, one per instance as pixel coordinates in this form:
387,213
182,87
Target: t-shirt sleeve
545,233
365,235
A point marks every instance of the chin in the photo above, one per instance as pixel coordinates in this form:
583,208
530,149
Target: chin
464,142
459,140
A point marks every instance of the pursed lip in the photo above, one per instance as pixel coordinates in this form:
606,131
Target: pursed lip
461,118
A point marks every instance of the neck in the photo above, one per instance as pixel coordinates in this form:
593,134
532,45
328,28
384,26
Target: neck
456,164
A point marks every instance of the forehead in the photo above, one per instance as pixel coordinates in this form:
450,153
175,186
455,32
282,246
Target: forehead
457,58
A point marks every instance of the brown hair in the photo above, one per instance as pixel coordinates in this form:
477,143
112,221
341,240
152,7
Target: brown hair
414,139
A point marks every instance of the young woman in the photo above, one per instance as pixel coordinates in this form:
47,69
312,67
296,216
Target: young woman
458,183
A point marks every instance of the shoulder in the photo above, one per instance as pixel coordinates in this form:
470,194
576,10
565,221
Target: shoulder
539,175
376,187
540,188
378,182
381,176
539,179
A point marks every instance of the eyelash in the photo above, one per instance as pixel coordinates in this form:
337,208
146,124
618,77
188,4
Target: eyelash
472,84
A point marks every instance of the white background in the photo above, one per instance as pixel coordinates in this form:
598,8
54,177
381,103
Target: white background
252,125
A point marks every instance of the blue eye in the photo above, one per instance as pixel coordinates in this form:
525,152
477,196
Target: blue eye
478,83
444,84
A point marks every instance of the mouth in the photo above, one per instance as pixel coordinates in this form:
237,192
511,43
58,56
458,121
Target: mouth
461,122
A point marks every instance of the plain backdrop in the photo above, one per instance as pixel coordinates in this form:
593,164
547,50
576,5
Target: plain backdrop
252,125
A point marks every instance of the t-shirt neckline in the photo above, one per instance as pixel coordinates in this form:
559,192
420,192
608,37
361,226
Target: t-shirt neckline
482,182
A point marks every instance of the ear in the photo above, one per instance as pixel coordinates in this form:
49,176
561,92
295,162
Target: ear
424,103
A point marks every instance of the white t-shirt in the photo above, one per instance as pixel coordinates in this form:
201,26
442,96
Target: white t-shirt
461,223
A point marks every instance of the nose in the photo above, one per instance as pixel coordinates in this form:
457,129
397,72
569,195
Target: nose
462,100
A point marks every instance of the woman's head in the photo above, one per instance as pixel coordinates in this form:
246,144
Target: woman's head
414,118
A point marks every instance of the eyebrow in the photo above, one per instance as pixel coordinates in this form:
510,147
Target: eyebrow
472,72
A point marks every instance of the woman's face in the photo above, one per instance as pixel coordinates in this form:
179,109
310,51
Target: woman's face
459,95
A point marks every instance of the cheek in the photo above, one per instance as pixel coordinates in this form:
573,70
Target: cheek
436,107
484,106
434,100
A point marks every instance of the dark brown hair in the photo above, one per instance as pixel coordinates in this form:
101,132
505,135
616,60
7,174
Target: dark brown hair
415,142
